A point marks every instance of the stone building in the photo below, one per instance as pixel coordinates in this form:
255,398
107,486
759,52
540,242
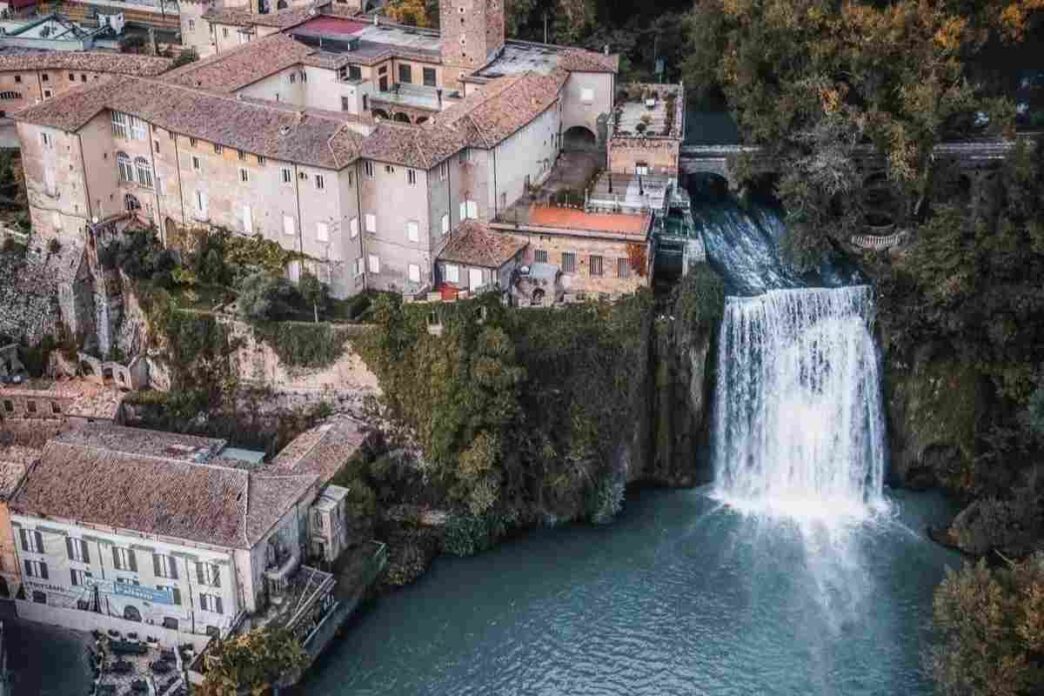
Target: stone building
195,543
475,258
28,78
349,142
646,131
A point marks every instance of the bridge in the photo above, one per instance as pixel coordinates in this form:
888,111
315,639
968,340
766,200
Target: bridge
716,159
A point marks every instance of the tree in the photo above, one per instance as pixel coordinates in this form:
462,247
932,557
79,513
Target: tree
991,623
251,663
412,12
267,297
186,56
811,80
314,293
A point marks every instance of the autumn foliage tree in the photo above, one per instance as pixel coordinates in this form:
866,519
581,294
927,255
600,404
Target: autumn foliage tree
251,663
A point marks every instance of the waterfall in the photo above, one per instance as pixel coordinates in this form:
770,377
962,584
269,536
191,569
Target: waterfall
799,430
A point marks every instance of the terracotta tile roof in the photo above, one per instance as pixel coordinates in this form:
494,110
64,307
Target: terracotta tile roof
504,106
579,60
232,70
323,450
472,243
14,460
224,506
119,438
93,61
271,131
244,17
483,119
573,219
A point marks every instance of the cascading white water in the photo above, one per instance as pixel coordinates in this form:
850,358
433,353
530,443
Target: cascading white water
799,431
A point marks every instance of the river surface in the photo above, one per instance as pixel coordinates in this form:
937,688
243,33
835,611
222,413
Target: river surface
679,595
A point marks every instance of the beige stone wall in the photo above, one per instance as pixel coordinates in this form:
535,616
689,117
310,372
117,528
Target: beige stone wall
585,98
583,248
659,154
472,32
225,37
55,183
395,204
195,31
22,88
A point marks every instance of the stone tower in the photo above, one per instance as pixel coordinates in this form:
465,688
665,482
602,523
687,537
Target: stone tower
472,34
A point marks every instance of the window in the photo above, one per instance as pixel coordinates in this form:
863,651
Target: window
388,169
374,263
83,77
30,406
405,73
353,227
218,149
175,596
322,232
155,146
596,265
357,267
540,256
587,95
568,262
244,175
211,603
286,175
443,171
452,273
351,179
412,231
241,155
144,169
164,566
248,220
123,163
371,223
464,156
623,268
368,169
208,574
320,182
429,77
139,131
18,78
445,224
47,94
293,78
192,25
72,77
411,177
77,550
39,597
468,210
10,95
413,272
354,72
123,559
201,203
288,225
36,569
45,139
345,104
260,161
8,405
195,163
641,169
224,32
32,541
45,77
192,142
79,577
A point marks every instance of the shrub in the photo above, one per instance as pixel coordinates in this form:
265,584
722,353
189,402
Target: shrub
186,56
267,297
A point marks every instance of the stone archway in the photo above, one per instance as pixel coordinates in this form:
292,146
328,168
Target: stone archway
579,138
380,113
131,613
401,117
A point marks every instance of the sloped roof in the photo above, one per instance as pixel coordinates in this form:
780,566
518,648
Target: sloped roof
232,70
420,147
472,243
271,131
579,60
208,504
322,450
120,438
92,61
244,17
14,460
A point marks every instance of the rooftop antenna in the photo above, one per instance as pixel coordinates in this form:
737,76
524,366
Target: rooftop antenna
545,26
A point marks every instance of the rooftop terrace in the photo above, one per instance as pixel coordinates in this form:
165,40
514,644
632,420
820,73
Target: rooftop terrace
649,110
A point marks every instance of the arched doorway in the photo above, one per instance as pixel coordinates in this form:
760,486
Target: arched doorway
421,119
579,138
380,113
130,203
131,613
401,117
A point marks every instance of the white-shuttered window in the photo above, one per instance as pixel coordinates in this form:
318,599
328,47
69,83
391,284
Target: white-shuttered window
413,272
445,224
248,220
322,232
371,223
374,263
452,273
288,225
211,603
119,124
413,231
353,227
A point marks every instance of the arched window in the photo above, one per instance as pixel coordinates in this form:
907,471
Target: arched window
131,613
124,163
144,171
131,203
